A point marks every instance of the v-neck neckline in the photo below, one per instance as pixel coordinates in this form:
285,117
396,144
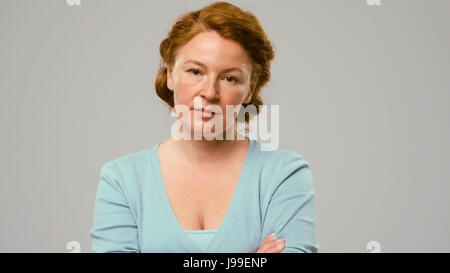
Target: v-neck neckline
229,215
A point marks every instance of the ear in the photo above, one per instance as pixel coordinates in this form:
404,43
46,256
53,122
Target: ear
169,79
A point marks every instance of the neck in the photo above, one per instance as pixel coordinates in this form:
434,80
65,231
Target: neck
208,152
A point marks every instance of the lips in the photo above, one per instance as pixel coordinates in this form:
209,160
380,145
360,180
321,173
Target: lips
206,113
204,110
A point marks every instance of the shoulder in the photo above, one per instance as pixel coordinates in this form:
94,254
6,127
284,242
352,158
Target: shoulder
279,161
127,168
282,167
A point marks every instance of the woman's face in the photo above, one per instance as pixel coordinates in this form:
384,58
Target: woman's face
212,71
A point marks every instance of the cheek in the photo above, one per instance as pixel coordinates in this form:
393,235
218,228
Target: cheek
187,81
184,89
241,92
234,96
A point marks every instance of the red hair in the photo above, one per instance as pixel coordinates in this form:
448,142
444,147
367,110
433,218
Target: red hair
230,22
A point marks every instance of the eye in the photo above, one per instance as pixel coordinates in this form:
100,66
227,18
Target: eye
194,71
232,78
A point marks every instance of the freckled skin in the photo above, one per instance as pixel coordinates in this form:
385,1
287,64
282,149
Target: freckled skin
211,85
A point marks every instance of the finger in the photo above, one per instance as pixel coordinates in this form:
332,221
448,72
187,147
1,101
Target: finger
276,246
279,244
271,246
271,249
270,237
267,242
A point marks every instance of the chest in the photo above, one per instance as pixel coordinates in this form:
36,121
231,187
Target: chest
200,199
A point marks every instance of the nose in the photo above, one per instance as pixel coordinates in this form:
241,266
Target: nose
209,89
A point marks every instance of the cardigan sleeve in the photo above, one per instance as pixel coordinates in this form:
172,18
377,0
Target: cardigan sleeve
114,227
291,210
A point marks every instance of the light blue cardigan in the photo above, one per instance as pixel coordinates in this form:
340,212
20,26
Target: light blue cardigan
275,193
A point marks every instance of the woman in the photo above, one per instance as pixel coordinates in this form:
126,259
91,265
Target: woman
223,194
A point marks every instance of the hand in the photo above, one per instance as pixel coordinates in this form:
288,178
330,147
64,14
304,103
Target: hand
270,245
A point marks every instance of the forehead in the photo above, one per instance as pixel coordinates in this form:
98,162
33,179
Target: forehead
214,51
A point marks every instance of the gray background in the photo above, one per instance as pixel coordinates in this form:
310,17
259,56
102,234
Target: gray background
363,90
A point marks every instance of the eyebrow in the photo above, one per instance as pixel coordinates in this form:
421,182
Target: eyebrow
204,66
